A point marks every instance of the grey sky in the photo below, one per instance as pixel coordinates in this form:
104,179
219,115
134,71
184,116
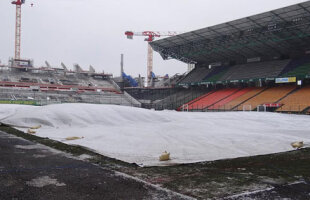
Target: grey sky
92,31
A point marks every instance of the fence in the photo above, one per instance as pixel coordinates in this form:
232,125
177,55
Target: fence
297,109
176,102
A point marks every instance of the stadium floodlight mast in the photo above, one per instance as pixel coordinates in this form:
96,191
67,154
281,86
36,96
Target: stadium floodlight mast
150,36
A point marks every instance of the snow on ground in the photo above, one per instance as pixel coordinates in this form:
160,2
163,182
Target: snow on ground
139,136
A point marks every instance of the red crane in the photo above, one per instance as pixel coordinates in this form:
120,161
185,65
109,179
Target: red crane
18,4
150,36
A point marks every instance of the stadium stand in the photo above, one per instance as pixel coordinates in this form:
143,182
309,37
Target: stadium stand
204,95
211,98
52,97
51,86
196,75
255,51
293,67
270,95
297,101
150,94
298,68
174,101
225,103
43,77
234,104
165,98
216,74
176,79
256,70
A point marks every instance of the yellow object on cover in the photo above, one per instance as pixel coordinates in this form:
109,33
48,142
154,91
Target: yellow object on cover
74,138
164,156
30,131
297,145
36,127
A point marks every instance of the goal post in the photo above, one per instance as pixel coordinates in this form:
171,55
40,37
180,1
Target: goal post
185,108
247,108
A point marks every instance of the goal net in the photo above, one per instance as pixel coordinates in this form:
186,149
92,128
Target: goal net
185,108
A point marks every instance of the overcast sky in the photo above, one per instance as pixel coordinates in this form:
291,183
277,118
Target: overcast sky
91,32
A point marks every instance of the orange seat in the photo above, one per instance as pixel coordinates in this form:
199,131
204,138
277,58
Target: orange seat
212,98
271,95
232,104
296,102
225,103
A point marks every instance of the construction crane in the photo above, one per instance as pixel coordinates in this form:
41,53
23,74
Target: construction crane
18,4
150,36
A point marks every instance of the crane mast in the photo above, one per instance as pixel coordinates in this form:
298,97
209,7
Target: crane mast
150,36
149,64
18,4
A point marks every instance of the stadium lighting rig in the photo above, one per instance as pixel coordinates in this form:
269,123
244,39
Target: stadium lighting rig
150,36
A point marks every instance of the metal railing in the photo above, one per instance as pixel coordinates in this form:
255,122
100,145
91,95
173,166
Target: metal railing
43,98
291,109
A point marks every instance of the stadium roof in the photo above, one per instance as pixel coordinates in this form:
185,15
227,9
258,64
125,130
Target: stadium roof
271,34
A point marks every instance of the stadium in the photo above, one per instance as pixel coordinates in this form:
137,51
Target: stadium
236,126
